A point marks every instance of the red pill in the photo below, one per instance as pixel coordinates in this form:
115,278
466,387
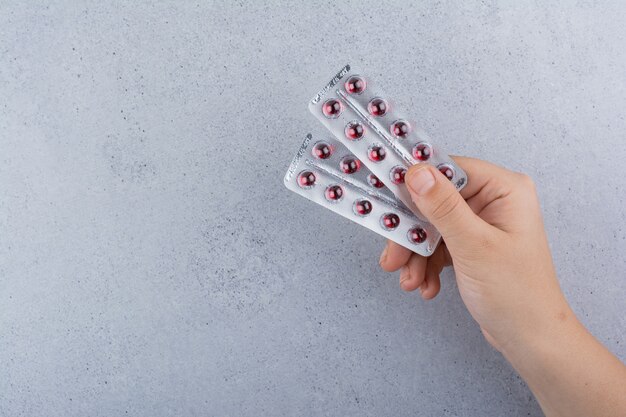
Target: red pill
362,207
334,193
397,175
306,179
376,153
332,108
422,151
354,130
377,107
417,235
400,128
390,221
355,85
374,181
446,170
322,150
350,165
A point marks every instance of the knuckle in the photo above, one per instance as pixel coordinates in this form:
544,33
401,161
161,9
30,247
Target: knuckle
446,206
526,181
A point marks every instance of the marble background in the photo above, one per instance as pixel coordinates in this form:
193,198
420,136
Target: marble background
153,264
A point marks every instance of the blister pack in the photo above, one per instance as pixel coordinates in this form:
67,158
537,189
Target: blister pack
366,120
326,172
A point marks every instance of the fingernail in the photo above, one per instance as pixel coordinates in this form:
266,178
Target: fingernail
420,180
383,256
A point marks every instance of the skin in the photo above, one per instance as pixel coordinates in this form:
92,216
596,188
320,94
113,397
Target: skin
495,240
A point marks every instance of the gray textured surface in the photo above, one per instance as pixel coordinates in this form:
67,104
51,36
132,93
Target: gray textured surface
153,264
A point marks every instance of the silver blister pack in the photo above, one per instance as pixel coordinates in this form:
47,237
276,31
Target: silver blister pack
359,114
326,172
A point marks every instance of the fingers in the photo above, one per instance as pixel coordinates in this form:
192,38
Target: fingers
423,273
413,273
394,256
432,283
438,200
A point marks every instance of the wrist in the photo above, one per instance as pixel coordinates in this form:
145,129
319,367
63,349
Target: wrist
541,331
568,370
544,342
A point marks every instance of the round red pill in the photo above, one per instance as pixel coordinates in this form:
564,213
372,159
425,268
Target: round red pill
389,221
422,151
376,153
334,193
374,181
362,207
354,130
332,108
350,165
322,150
377,107
400,128
446,170
397,175
306,179
417,235
355,85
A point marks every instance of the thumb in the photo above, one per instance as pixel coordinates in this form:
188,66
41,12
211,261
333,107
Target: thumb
438,200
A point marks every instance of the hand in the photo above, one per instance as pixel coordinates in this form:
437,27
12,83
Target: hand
494,237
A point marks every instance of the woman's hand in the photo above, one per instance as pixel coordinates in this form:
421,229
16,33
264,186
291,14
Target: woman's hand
495,239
